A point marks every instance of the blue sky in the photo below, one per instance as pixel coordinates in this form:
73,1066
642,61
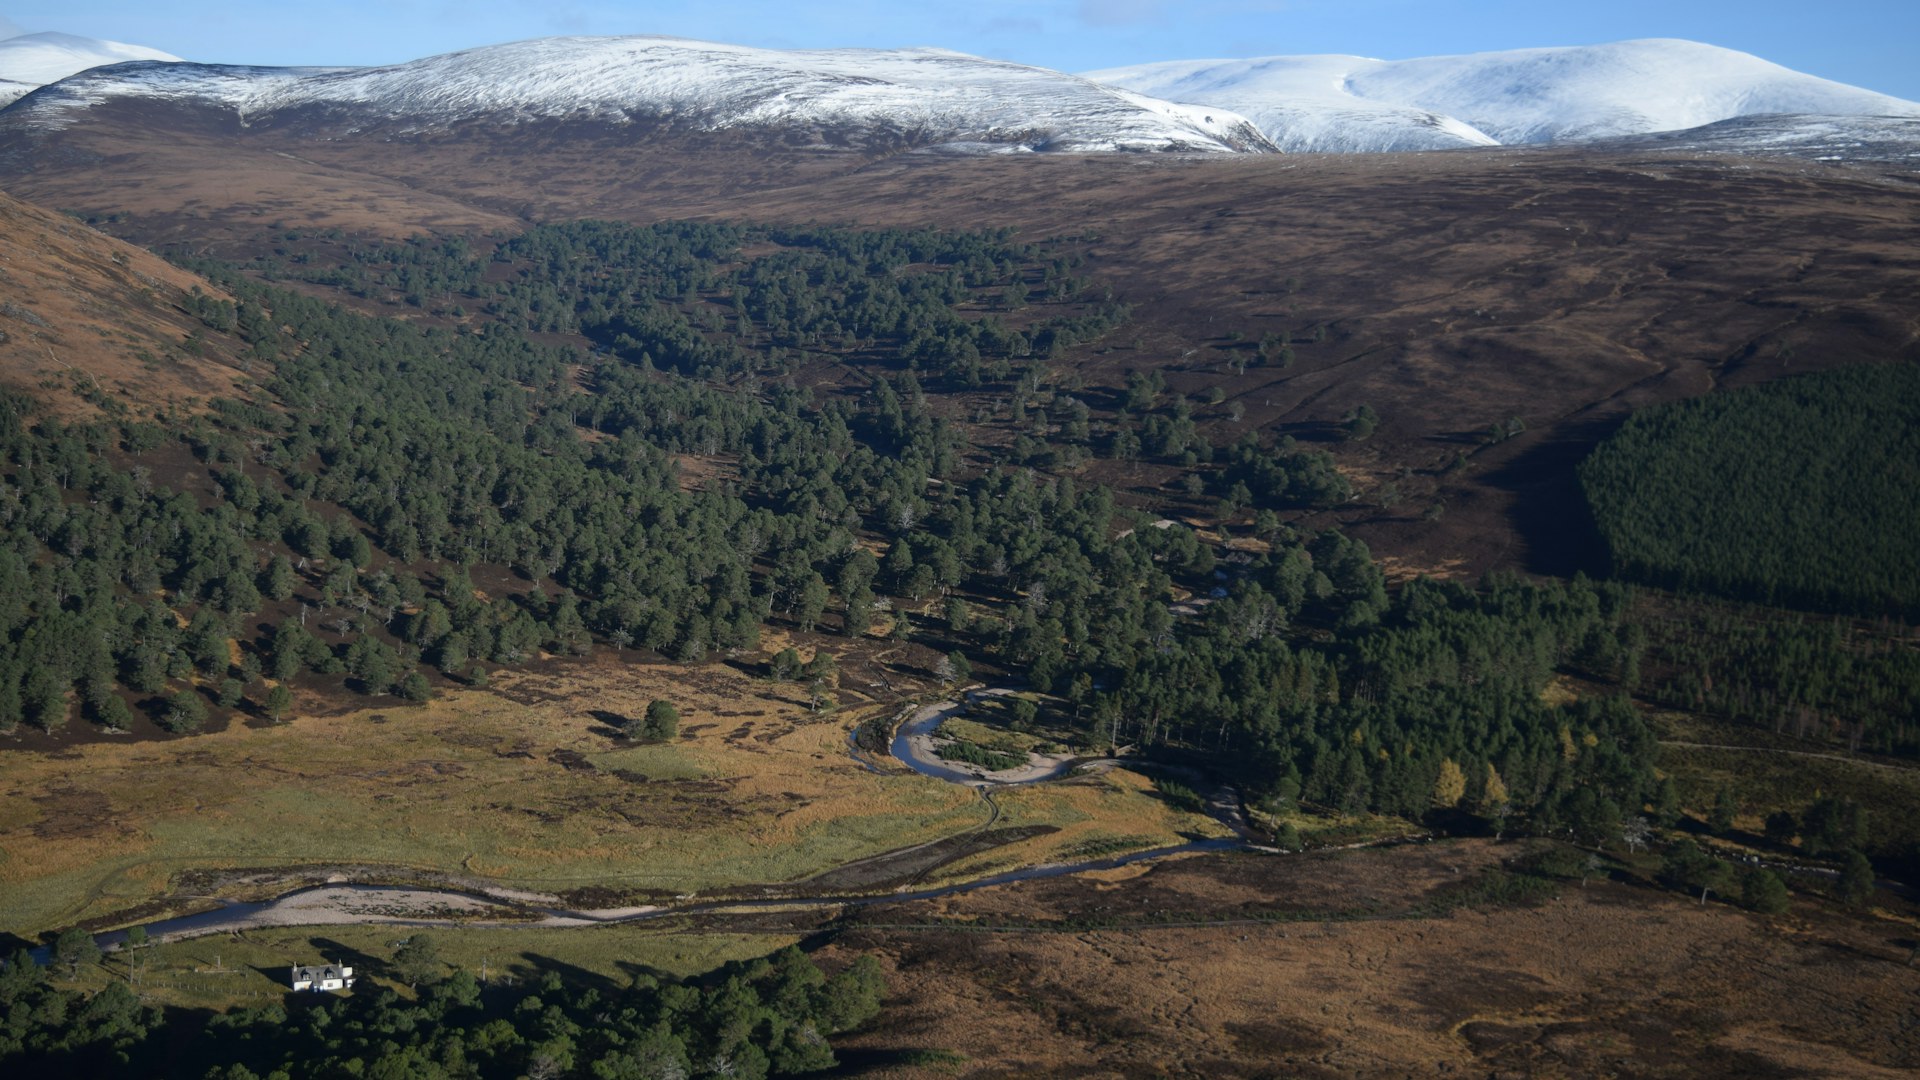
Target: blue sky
1869,43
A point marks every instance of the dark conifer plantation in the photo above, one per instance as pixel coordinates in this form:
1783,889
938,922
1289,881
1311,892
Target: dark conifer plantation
1799,493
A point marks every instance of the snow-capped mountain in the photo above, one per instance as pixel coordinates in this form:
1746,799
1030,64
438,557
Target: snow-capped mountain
1523,96
929,97
32,60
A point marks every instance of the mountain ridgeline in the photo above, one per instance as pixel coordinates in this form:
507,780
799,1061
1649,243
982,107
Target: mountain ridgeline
33,60
834,98
1519,97
877,100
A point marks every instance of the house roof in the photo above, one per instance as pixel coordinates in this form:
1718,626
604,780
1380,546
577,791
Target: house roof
319,972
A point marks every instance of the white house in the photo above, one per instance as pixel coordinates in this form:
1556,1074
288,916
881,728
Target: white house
322,977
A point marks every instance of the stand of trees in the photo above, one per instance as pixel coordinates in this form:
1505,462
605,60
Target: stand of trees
1826,679
686,297
344,516
1797,492
1430,701
769,1017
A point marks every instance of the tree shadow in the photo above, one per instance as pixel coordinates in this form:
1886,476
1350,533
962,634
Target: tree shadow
635,971
328,950
1455,821
877,1061
823,937
281,975
1471,437
571,974
615,724
1315,431
252,714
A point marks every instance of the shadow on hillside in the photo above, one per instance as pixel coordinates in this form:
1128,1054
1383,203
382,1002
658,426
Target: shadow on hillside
1549,511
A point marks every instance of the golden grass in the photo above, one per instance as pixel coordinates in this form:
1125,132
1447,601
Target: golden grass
995,738
1333,829
1087,811
523,784
755,791
1559,691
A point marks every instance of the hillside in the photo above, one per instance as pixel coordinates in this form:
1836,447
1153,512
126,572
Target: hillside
1891,139
88,319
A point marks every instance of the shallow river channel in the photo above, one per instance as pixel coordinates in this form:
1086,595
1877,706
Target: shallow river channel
350,903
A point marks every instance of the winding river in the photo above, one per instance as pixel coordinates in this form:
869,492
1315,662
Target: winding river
913,746
350,903
240,915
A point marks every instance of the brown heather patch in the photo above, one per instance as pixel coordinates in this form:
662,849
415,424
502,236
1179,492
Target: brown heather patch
83,314
1610,980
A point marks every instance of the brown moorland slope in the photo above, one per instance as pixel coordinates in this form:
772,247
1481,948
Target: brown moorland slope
1448,291
86,318
1343,975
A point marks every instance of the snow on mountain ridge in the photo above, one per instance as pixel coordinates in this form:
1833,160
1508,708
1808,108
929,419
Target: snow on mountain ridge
1602,91
1562,94
1314,110
951,97
1887,139
38,59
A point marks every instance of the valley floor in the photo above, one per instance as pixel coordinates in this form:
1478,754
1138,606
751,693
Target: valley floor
529,785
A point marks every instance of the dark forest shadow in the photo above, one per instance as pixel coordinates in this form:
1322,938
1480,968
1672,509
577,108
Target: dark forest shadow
1549,509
